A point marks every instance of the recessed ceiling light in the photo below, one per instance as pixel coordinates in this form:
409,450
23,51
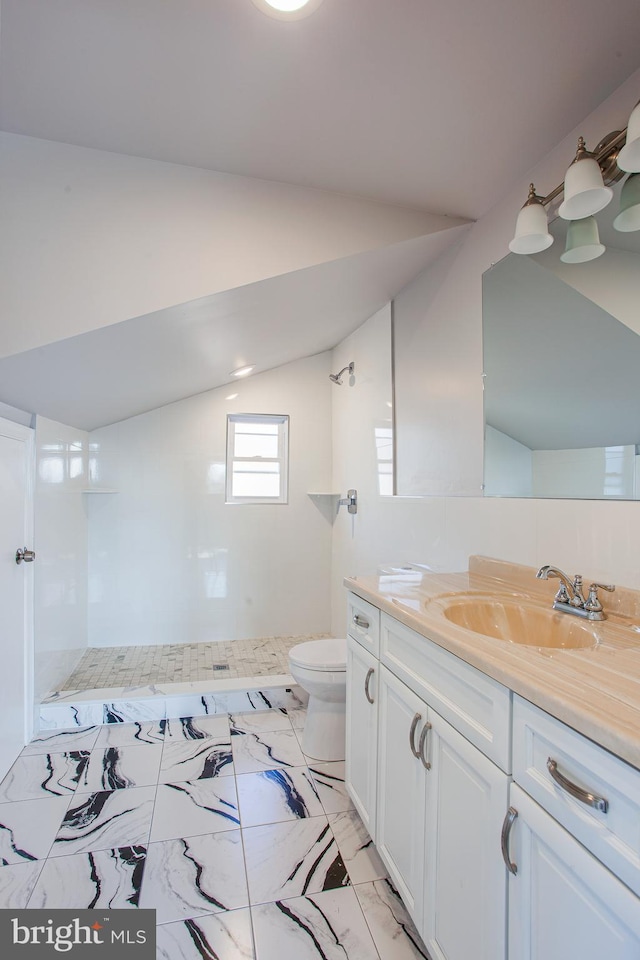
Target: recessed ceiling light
232,396
242,371
287,9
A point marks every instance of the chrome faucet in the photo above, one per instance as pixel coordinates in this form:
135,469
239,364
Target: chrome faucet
571,599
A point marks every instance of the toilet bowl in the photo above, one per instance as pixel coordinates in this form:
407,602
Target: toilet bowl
320,667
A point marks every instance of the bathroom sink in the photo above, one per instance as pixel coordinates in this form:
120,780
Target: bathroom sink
521,622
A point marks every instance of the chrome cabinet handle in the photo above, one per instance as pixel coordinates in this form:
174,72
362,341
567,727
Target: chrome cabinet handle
412,732
27,555
422,743
370,673
360,621
509,820
590,799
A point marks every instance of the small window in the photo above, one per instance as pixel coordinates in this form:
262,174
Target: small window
257,454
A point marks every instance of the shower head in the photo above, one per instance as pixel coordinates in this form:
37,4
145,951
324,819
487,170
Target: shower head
337,377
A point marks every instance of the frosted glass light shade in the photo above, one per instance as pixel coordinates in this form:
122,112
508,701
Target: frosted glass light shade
287,9
584,190
629,217
629,156
583,242
532,232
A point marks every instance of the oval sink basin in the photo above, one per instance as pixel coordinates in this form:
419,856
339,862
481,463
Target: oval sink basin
521,623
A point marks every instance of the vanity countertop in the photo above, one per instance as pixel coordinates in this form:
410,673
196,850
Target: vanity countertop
595,690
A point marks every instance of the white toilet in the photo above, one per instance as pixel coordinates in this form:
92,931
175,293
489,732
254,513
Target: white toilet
320,667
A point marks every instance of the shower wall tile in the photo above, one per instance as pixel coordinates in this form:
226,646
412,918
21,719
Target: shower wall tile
193,553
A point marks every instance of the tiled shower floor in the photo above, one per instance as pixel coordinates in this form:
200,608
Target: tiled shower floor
179,663
246,849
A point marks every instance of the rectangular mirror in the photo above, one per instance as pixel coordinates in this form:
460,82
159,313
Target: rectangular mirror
561,349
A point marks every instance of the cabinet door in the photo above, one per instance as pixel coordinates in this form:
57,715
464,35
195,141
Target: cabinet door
564,903
362,731
466,880
401,790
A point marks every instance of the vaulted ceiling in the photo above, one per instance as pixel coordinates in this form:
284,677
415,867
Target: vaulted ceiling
430,105
419,108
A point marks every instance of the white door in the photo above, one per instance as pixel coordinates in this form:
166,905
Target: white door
16,591
362,731
466,881
563,903
402,790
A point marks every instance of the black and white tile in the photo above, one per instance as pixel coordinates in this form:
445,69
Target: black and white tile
271,796
356,847
110,879
329,778
61,741
129,711
198,817
190,877
17,882
221,936
259,721
144,733
106,820
392,929
44,775
119,768
265,751
196,760
194,808
29,827
307,859
197,728
324,926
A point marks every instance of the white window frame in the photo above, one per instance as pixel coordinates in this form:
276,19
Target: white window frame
282,421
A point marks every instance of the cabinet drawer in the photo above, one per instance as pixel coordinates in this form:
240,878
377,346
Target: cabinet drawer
477,706
363,623
613,836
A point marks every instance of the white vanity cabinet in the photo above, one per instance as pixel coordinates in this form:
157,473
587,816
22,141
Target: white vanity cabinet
543,868
563,903
465,902
440,800
363,671
402,790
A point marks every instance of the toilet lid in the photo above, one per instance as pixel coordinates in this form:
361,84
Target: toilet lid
328,654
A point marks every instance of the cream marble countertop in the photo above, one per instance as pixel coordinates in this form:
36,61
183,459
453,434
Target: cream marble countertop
595,690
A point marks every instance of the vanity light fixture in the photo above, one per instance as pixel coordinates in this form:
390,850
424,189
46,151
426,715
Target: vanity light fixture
583,241
532,228
586,191
629,158
287,9
629,217
243,371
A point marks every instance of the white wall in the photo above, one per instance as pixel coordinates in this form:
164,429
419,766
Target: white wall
170,562
507,466
438,330
594,472
91,238
60,507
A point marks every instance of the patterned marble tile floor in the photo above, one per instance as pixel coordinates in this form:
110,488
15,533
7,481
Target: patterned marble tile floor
246,849
169,663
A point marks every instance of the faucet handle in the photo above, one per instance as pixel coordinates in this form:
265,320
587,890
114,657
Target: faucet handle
592,603
577,600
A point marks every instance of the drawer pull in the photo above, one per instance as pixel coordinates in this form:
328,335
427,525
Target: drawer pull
370,673
590,799
509,820
422,744
361,621
412,732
